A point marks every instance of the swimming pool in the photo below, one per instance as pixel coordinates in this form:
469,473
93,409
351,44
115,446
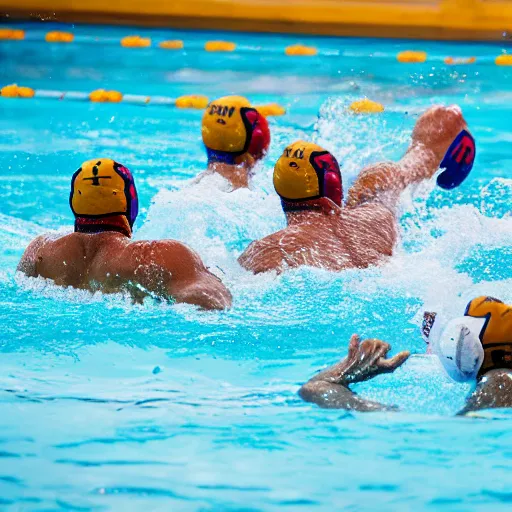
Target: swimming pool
107,405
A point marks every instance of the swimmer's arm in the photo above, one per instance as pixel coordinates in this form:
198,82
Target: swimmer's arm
28,262
492,392
384,182
330,388
205,290
176,272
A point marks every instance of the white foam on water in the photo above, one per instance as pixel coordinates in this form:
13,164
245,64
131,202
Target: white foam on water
357,140
212,219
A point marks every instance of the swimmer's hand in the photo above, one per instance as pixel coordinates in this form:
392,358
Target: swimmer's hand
365,360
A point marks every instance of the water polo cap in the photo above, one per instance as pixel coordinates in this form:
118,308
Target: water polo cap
458,161
496,335
304,173
103,197
459,348
231,128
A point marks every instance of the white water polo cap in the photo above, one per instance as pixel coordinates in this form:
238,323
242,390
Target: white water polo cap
459,348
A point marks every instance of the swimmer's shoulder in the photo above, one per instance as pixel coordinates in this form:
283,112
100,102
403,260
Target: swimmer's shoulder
170,254
371,182
271,252
35,250
53,256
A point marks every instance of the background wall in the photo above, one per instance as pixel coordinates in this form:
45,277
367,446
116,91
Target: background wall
432,19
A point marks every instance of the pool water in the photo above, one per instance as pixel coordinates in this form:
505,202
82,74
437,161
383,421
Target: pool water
105,405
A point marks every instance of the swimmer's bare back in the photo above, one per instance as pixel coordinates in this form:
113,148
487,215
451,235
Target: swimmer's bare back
111,263
364,232
334,239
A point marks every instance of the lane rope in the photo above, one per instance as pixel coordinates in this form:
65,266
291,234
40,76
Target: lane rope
295,50
190,101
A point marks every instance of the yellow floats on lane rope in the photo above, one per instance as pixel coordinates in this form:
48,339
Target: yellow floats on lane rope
13,91
300,49
175,44
504,60
366,106
410,56
12,34
272,109
103,96
219,46
135,42
192,101
56,36
452,61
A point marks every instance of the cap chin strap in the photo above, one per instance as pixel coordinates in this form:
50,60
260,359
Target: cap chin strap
323,204
114,223
222,157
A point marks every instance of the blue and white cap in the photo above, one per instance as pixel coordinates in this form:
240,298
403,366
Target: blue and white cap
459,348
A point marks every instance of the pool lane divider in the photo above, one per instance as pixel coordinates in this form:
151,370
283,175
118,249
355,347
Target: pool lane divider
294,50
192,101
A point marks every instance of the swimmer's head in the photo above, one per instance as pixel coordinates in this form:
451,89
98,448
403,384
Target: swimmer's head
234,132
459,348
306,174
103,197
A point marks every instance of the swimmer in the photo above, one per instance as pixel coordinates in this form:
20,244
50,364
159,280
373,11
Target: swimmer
236,136
321,232
100,255
476,347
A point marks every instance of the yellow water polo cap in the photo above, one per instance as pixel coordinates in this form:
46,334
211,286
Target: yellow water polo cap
305,172
102,189
231,127
496,333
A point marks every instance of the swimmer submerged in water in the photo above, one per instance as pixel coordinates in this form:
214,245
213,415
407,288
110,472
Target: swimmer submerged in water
476,347
323,233
100,255
236,136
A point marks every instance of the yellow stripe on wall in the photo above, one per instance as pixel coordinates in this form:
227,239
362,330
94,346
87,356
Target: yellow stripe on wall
441,19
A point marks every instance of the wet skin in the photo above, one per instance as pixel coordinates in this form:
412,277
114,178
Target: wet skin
330,388
111,262
365,230
238,176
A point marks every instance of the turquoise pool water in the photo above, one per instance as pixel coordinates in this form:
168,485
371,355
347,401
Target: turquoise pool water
109,406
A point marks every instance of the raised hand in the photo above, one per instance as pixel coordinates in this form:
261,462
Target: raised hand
367,359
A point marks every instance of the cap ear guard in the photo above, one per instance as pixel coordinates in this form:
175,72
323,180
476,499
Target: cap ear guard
130,191
329,175
222,157
459,348
258,133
